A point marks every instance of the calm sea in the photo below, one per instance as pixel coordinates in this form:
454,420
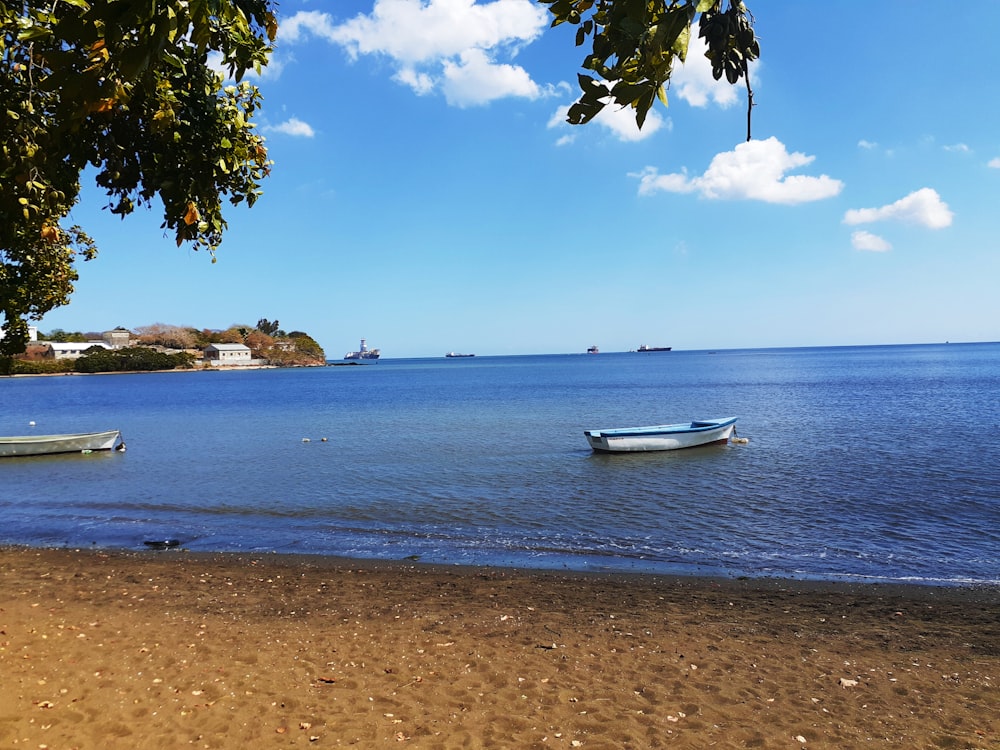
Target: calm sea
868,463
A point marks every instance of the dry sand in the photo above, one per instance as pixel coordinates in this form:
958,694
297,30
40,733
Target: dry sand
175,650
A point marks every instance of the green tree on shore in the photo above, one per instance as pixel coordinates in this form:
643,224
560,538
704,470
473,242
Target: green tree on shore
58,334
269,327
130,359
123,86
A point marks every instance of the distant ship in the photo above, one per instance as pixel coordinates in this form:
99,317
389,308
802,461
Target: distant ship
593,350
645,348
456,354
363,352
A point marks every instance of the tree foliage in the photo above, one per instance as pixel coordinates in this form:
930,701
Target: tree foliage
125,87
636,43
11,366
269,327
306,344
58,334
130,359
169,336
259,343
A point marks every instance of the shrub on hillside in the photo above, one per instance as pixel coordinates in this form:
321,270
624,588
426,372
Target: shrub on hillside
130,359
35,367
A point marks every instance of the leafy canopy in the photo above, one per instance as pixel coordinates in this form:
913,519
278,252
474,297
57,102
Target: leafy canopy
123,86
636,43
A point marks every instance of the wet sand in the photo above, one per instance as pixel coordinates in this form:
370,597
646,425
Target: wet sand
166,649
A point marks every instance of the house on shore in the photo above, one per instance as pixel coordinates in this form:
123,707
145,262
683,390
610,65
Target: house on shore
119,338
219,355
74,349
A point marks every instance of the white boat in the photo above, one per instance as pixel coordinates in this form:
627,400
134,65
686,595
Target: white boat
664,437
364,352
40,445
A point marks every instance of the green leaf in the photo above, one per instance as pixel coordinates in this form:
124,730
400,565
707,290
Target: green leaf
33,33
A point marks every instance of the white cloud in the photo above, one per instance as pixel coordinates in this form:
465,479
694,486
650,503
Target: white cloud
923,207
558,121
651,181
475,79
994,163
214,62
621,122
876,147
754,170
959,148
558,118
693,81
292,126
453,46
304,23
421,83
862,240
271,72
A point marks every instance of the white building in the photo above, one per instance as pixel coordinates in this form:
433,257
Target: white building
116,339
32,333
73,349
228,354
119,338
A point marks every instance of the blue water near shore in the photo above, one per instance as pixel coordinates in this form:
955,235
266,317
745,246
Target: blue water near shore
863,464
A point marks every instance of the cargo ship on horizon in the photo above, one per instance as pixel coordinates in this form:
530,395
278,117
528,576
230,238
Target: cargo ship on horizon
364,352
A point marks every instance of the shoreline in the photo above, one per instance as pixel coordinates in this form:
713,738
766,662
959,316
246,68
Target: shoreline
802,582
197,368
952,593
152,649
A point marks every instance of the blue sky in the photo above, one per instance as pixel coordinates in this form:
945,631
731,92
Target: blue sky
427,195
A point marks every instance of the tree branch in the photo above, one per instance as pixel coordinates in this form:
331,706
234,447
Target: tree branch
746,77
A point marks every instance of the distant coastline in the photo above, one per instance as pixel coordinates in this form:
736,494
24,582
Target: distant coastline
217,368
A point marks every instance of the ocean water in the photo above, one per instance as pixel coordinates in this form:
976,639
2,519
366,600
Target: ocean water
865,464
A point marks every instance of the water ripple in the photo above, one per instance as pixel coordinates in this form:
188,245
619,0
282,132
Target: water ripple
861,464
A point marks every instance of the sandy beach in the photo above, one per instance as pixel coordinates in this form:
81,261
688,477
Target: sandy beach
166,649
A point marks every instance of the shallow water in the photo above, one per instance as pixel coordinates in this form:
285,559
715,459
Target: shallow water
868,463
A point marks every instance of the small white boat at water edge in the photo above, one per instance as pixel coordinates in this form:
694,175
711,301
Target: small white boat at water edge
664,437
40,445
